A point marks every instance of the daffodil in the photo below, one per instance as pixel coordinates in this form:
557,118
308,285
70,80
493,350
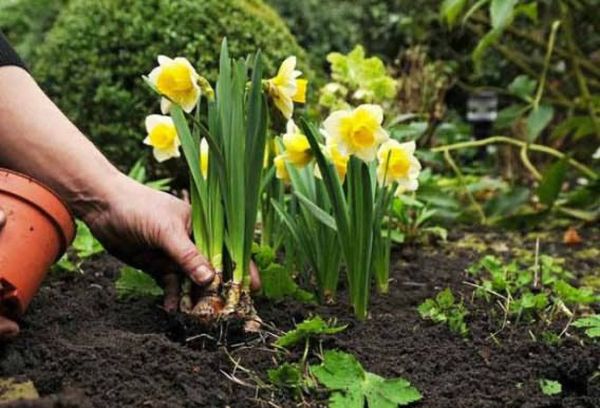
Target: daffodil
337,158
177,80
280,167
398,164
296,145
285,88
204,158
162,136
357,132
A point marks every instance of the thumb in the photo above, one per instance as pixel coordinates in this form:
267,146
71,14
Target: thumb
2,218
180,248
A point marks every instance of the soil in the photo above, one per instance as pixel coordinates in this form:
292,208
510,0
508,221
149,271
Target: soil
82,346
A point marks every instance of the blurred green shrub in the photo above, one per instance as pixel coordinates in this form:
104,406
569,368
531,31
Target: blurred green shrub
383,26
92,60
26,22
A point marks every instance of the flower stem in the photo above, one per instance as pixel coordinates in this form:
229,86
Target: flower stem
532,147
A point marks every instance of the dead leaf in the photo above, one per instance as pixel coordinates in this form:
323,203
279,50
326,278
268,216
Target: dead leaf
14,390
572,237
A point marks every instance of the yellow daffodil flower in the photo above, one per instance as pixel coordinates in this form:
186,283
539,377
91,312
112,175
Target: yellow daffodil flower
357,132
285,88
280,167
177,80
397,163
162,136
337,158
296,145
204,158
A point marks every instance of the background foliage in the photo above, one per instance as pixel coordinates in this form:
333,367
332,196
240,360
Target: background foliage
92,59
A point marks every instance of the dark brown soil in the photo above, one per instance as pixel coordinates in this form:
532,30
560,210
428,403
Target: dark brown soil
82,346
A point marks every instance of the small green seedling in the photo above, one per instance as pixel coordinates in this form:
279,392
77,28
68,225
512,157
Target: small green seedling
288,376
134,283
444,309
312,327
531,293
591,325
351,385
550,387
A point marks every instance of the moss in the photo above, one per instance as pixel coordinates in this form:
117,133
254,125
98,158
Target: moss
93,58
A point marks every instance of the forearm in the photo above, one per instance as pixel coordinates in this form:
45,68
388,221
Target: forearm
38,140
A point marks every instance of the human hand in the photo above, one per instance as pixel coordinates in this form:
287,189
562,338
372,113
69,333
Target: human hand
151,231
8,328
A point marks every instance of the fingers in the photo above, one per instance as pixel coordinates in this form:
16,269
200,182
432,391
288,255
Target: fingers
254,277
2,218
8,328
180,248
171,288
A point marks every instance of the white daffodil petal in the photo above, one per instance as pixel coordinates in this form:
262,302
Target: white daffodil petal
163,60
165,105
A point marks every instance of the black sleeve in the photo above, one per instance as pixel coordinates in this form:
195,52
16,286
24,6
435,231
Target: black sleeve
8,56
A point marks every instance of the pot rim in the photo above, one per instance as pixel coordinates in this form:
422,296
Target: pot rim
44,199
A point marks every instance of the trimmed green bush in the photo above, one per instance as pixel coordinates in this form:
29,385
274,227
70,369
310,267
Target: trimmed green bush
93,58
26,22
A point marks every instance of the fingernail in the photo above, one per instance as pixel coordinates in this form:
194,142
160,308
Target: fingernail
203,275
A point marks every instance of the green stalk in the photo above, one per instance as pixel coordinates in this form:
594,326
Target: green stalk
588,172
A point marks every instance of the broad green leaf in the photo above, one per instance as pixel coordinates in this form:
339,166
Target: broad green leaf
286,376
502,12
537,121
590,324
550,387
489,39
135,283
523,86
507,203
451,10
552,181
577,126
277,283
571,295
314,326
85,244
530,10
509,115
350,384
384,393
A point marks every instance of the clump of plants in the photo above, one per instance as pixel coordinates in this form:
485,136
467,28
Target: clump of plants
343,176
338,373
444,309
535,293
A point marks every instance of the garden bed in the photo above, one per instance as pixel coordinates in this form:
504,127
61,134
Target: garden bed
82,346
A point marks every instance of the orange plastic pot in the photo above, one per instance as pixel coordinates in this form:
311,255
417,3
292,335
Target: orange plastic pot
38,230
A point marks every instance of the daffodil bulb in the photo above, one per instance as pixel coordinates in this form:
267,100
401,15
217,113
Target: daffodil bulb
162,136
286,88
204,157
296,145
397,164
177,80
356,132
